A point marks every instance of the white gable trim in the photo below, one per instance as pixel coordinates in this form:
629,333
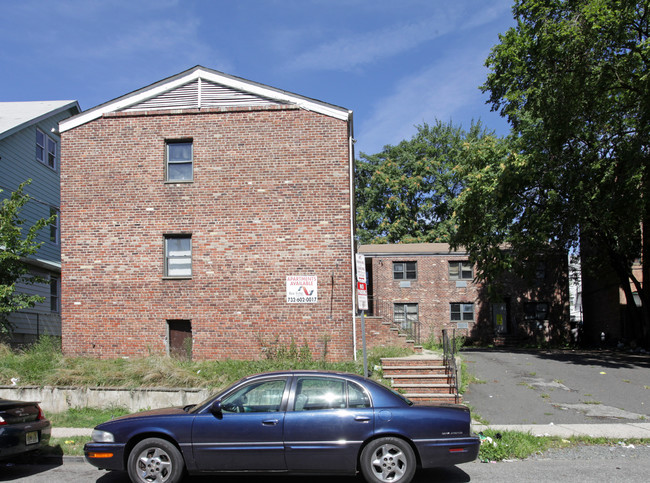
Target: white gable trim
211,76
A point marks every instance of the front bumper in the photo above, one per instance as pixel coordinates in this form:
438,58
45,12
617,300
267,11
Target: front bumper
105,456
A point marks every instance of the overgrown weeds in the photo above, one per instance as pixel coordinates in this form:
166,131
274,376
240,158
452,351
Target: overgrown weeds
43,364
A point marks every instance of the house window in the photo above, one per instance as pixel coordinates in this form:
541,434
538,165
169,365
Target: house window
461,271
46,149
405,270
54,294
178,256
179,161
462,312
405,315
54,226
536,311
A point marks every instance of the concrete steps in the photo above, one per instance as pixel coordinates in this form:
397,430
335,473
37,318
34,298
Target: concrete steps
422,379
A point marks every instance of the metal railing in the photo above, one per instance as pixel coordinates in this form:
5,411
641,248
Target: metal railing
384,309
449,351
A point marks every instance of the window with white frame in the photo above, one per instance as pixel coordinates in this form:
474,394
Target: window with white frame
405,270
462,270
180,159
461,312
178,256
46,149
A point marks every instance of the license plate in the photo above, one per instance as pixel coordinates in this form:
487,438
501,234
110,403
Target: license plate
31,437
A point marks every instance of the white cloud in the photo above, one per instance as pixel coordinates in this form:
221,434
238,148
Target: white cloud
347,52
444,91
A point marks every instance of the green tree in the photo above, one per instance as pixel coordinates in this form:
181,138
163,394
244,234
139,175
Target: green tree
404,193
572,79
16,244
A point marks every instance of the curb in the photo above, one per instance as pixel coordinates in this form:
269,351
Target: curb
605,430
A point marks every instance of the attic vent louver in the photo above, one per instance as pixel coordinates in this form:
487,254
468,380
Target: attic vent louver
200,93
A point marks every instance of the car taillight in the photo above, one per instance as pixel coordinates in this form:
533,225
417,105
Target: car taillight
41,414
2,421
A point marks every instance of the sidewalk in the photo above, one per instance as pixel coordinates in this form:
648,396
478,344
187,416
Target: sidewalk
605,430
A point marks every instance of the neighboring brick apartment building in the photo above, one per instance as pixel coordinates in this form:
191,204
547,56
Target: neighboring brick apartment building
208,215
423,288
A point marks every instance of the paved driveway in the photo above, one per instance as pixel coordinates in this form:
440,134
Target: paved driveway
562,387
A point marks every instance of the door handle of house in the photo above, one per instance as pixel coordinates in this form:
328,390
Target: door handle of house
270,422
362,419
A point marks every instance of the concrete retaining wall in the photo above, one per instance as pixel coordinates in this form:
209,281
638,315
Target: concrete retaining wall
60,399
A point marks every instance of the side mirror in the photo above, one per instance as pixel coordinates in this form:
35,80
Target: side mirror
215,409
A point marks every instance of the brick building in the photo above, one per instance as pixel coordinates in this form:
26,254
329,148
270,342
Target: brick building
210,216
422,288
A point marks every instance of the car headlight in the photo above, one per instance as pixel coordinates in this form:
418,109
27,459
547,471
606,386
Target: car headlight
102,436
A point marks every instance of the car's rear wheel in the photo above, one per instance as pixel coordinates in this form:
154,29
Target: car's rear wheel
155,460
388,460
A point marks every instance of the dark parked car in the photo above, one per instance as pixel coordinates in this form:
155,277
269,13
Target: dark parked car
23,428
298,422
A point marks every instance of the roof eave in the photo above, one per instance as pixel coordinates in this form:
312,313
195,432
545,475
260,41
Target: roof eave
197,72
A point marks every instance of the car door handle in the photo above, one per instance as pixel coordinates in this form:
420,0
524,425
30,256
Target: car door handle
270,422
362,419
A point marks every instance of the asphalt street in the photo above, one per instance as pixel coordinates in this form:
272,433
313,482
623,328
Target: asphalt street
558,386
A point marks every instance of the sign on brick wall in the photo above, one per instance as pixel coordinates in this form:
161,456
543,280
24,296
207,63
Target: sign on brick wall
302,289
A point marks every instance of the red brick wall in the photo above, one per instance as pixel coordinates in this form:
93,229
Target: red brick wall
270,198
433,291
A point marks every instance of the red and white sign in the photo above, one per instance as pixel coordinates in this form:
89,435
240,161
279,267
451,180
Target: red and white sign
302,289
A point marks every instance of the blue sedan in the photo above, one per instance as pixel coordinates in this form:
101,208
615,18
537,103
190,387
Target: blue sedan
298,422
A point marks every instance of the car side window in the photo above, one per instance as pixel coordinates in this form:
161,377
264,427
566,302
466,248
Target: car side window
256,397
317,393
357,396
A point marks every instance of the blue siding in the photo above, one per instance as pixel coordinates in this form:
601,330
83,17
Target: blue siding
18,163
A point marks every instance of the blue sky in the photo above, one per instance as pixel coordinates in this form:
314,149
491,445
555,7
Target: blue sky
396,64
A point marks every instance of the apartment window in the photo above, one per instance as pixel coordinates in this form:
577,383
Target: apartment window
405,315
536,311
405,270
54,226
461,271
462,312
178,256
54,294
46,149
180,160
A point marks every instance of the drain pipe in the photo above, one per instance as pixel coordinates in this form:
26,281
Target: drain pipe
351,142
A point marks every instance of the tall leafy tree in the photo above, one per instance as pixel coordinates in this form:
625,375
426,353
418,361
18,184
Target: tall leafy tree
572,79
17,242
404,193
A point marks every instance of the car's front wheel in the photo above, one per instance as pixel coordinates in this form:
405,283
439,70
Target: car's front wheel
155,460
388,460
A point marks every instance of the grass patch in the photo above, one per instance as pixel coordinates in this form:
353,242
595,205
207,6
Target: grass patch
73,446
43,364
85,417
508,445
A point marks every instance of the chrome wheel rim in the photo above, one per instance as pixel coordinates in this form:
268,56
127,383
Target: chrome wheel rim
154,465
388,463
